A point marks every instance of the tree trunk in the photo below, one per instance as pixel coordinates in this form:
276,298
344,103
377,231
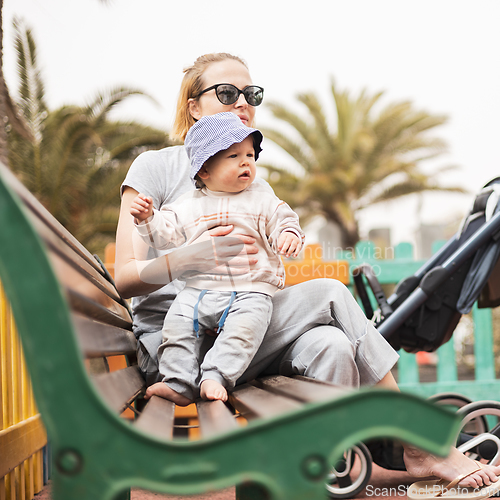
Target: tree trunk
3,100
349,232
349,237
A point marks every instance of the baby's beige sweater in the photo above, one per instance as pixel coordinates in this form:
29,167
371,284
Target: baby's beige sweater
255,212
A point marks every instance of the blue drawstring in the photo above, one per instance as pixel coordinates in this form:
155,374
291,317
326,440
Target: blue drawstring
222,320
195,319
224,314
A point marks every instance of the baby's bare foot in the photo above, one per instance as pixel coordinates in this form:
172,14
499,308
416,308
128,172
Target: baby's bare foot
163,391
210,389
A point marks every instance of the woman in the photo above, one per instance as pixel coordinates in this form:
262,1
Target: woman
348,351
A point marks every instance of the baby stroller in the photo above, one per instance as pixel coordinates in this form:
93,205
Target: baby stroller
478,439
421,315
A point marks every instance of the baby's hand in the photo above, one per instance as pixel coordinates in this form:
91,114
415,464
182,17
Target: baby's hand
289,244
142,207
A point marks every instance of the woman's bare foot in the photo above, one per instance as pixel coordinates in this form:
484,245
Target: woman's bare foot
162,390
210,389
421,464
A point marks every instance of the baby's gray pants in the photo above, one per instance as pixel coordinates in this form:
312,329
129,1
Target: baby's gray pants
187,358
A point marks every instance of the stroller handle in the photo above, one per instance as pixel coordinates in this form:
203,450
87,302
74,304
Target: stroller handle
376,288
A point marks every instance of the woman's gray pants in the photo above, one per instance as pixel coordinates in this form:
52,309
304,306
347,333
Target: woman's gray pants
317,329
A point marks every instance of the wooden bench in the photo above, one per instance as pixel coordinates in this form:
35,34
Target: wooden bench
73,323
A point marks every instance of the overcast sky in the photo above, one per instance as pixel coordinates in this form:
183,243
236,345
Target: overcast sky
441,54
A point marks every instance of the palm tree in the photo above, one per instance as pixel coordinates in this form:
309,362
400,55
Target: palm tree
8,111
366,158
76,157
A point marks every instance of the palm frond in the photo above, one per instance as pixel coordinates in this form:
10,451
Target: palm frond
31,89
291,146
105,101
288,116
320,139
366,156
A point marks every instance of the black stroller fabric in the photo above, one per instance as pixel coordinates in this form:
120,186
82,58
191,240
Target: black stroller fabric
433,323
490,294
387,453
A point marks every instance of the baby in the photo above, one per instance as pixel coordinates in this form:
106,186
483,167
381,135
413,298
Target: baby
222,152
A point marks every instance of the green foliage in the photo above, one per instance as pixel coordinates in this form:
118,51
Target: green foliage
76,157
367,157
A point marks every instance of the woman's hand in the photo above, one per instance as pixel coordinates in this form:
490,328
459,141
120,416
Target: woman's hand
226,250
219,254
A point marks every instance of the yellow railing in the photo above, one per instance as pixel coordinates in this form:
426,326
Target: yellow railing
22,435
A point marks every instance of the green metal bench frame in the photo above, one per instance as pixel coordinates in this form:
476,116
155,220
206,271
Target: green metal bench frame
97,455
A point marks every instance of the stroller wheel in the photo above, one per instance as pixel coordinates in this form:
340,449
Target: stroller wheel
457,401
351,473
474,416
450,399
480,435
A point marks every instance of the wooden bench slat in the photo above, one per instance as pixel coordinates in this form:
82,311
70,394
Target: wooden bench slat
302,389
40,212
89,272
214,418
97,339
87,307
157,418
73,280
120,388
253,402
63,246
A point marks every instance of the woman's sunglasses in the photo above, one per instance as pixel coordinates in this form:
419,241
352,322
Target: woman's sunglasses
229,94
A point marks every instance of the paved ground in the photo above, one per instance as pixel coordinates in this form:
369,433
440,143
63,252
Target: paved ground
148,495
384,485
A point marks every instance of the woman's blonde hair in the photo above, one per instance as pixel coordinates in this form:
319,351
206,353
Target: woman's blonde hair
192,85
